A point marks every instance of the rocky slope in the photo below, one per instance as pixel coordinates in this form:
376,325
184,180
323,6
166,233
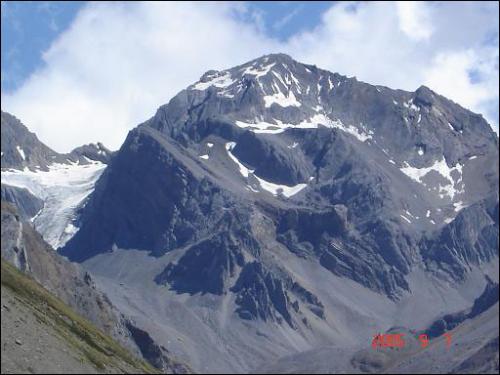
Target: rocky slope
41,334
474,349
27,204
24,248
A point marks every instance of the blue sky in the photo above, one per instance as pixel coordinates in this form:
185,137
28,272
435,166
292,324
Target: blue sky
79,72
29,28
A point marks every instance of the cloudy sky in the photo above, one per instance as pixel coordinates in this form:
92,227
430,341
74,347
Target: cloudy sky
79,72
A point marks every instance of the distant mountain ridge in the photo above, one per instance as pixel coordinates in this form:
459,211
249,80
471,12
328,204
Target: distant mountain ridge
21,148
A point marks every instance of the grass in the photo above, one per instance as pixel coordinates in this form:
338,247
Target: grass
96,347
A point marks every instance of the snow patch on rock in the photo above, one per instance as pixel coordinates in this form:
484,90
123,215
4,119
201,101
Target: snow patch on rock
21,152
281,100
217,80
440,166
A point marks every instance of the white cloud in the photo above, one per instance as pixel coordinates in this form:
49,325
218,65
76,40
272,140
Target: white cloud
449,74
414,19
118,62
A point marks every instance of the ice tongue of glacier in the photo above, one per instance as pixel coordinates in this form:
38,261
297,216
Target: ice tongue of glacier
63,188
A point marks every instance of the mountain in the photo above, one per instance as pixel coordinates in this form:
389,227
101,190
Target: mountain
394,171
276,208
276,194
91,151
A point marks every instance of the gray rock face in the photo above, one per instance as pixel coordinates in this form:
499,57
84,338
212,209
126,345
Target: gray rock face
214,261
470,239
259,294
183,205
21,148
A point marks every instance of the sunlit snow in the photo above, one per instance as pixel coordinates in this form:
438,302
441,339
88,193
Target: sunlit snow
275,189
409,104
404,217
282,100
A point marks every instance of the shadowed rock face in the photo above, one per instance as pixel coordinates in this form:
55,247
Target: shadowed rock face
92,151
472,238
273,296
213,262
259,294
155,354
180,207
272,161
